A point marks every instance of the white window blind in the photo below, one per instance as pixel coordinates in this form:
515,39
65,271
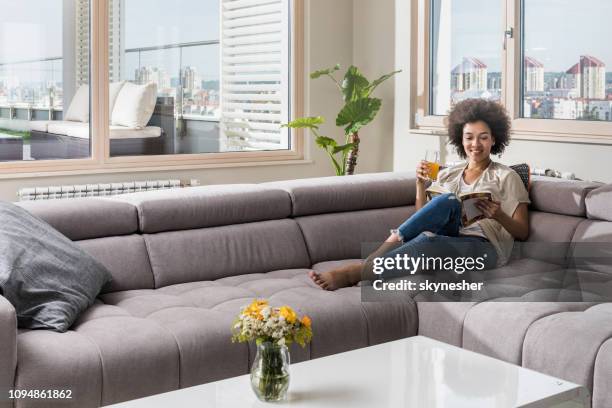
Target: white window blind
255,74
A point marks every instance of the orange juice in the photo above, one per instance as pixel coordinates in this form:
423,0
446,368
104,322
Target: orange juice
434,169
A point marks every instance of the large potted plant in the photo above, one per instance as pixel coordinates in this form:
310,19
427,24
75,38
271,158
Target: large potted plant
359,109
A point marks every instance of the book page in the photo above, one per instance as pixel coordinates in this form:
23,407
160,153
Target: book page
471,213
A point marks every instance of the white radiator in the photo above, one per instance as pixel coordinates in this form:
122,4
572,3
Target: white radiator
97,190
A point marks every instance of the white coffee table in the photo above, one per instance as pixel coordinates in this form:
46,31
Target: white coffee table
414,372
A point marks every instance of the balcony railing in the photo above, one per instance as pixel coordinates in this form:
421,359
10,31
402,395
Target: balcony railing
180,86
44,101
45,97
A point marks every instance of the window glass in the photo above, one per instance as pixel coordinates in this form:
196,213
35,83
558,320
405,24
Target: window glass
44,80
197,77
466,52
566,53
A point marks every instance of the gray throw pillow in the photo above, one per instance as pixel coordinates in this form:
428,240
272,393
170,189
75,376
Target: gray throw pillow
47,277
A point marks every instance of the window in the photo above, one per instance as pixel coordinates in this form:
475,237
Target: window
172,50
564,70
185,83
544,60
466,54
44,79
190,69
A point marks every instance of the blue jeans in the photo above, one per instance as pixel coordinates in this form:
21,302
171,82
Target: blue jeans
433,232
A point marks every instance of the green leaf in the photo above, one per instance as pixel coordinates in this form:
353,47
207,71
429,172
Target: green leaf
339,170
379,81
311,122
344,148
357,114
354,85
325,142
322,72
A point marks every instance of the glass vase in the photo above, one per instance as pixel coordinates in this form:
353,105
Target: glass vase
270,372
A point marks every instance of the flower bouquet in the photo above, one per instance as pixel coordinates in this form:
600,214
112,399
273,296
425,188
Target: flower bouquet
273,329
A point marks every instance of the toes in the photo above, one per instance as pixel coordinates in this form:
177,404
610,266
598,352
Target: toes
316,278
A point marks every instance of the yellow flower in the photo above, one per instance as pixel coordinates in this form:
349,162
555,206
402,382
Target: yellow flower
260,303
254,309
306,321
288,314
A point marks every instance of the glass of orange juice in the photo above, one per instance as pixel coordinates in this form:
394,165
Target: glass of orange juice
432,157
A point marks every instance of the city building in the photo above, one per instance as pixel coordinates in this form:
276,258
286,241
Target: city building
588,77
494,80
534,75
568,108
191,80
116,46
470,74
144,75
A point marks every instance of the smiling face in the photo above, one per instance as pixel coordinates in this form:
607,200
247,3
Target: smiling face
477,141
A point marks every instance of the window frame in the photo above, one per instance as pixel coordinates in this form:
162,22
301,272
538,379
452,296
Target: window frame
558,130
101,161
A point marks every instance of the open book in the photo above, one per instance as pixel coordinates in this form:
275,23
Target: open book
469,212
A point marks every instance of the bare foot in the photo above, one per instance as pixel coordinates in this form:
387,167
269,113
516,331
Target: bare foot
344,276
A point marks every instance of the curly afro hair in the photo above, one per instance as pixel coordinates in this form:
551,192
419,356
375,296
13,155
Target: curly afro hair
473,110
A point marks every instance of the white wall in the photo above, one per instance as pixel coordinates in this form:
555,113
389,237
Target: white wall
587,161
373,53
329,40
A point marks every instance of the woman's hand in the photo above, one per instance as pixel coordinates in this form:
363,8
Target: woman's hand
490,209
422,172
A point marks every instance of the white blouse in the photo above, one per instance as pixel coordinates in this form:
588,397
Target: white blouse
506,187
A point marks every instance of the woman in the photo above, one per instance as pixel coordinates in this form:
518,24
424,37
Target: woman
477,128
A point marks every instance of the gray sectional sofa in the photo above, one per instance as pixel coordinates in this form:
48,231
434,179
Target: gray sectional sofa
184,262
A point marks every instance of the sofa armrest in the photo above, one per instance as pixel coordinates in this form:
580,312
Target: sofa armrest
8,350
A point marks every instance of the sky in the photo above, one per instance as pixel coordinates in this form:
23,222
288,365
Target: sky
171,22
152,22
557,32
28,35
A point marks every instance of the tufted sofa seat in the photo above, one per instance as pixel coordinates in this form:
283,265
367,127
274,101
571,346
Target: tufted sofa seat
184,262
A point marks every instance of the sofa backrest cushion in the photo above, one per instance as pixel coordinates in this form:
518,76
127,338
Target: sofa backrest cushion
342,235
350,193
549,236
134,105
599,203
86,218
207,206
591,258
113,92
218,252
78,110
560,196
592,246
125,258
